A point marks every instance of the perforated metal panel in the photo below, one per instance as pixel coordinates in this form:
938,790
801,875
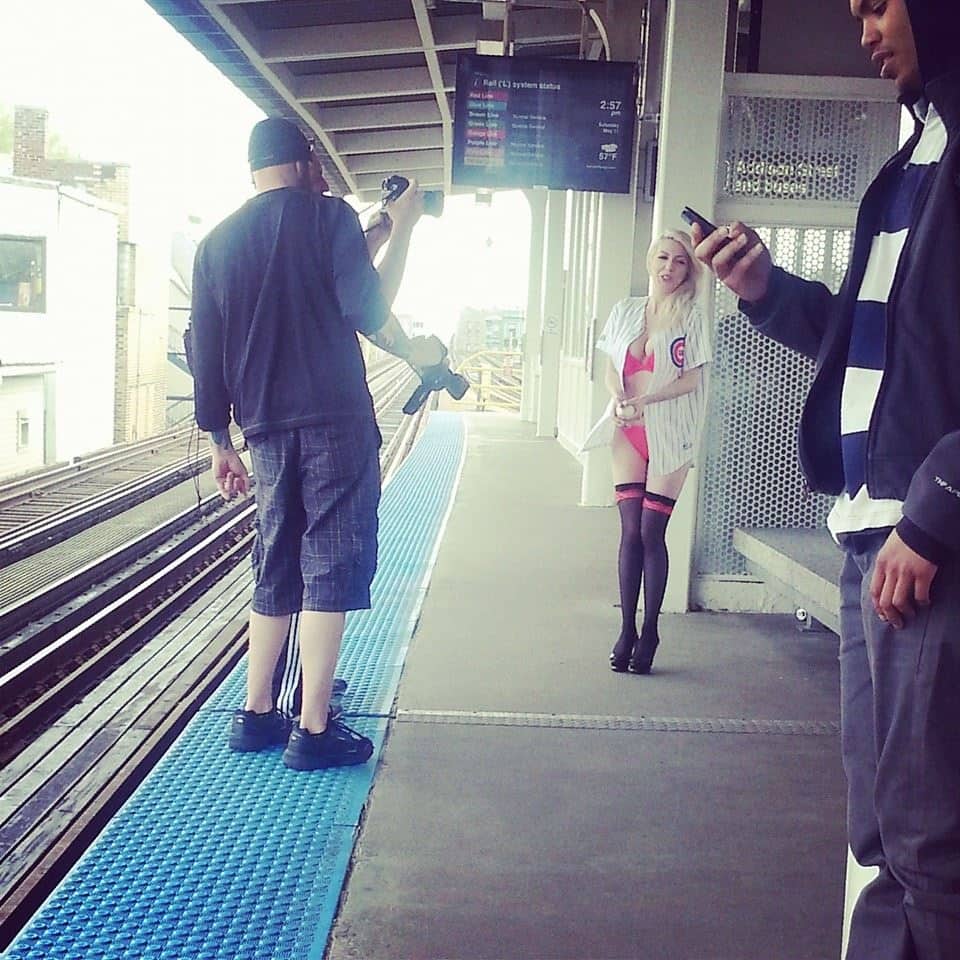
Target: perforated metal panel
780,148
751,477
795,153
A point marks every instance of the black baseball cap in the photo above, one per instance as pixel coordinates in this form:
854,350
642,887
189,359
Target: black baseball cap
274,141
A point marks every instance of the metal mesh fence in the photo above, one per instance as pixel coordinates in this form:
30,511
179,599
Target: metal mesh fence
816,155
782,148
751,477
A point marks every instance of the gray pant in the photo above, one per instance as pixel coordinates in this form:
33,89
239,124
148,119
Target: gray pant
900,717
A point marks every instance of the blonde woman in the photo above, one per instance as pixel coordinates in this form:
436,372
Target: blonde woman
657,347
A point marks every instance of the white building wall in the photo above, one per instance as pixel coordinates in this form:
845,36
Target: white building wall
21,396
149,323
76,332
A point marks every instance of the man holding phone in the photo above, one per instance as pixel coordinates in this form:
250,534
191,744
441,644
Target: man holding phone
881,430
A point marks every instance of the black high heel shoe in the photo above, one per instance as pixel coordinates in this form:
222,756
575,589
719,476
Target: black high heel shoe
622,654
641,660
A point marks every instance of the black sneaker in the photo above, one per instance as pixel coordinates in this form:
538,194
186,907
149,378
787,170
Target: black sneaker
251,731
337,746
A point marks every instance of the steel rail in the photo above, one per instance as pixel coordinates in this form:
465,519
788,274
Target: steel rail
187,573
33,607
47,531
65,629
29,485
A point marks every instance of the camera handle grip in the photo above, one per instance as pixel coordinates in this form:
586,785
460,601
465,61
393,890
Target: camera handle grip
416,399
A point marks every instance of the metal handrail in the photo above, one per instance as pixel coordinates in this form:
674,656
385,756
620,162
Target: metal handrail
496,377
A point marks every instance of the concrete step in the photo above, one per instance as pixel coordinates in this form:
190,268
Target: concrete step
802,564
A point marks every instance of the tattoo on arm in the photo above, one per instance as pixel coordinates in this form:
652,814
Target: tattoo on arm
221,438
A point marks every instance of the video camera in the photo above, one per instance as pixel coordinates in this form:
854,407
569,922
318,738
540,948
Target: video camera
393,186
438,377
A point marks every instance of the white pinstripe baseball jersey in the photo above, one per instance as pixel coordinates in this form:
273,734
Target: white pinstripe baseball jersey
673,426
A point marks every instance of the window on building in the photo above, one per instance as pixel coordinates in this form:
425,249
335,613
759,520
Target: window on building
22,274
23,430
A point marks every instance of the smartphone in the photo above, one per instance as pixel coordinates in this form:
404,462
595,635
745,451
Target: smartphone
690,216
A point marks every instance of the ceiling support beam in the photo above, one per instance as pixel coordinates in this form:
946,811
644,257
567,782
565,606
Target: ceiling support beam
386,141
439,87
401,161
243,33
370,84
387,37
375,116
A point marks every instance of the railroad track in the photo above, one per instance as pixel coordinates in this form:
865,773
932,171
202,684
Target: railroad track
101,669
108,603
44,508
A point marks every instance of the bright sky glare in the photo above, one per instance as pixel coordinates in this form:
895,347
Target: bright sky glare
120,84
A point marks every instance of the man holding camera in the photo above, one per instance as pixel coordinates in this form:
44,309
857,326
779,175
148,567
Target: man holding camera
881,430
280,289
287,681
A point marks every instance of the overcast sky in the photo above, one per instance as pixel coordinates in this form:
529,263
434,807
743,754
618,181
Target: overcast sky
121,84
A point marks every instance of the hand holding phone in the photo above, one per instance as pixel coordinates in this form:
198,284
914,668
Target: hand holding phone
737,257
691,217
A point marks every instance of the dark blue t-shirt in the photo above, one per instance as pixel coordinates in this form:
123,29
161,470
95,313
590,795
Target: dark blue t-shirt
280,289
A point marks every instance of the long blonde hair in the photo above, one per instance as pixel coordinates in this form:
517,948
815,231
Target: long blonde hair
679,303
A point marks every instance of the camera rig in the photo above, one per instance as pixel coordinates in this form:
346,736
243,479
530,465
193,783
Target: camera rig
392,187
436,378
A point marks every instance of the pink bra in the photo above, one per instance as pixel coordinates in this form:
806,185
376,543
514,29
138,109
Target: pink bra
632,364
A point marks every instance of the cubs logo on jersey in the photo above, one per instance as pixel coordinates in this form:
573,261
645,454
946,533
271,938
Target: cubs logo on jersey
677,351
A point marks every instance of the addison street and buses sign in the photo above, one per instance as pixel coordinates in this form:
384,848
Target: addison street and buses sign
784,176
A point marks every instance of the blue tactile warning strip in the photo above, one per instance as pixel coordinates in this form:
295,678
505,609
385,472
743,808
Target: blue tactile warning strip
220,855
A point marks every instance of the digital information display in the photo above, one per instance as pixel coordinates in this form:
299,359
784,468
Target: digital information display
525,122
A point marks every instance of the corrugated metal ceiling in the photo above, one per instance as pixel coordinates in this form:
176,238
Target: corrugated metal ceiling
372,81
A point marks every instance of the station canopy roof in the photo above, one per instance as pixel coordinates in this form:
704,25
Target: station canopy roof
371,81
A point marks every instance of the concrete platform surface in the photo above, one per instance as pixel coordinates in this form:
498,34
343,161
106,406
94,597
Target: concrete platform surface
533,804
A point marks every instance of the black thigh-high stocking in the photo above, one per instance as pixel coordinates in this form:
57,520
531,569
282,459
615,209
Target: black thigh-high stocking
653,530
629,568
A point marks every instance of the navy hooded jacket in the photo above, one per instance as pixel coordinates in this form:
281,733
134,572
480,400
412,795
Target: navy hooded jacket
913,445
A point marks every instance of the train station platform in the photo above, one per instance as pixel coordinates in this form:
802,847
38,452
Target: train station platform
531,803
526,801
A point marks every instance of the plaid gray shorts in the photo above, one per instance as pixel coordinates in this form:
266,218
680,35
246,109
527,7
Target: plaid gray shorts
317,491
